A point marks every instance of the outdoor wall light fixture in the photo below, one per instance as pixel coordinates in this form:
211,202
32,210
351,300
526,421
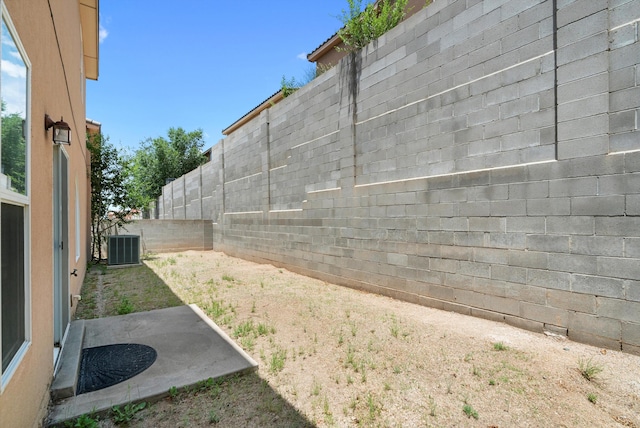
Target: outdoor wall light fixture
61,130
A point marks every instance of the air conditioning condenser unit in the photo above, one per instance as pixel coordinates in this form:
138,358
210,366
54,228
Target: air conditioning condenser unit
124,250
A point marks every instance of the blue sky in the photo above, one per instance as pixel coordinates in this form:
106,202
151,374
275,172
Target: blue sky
198,63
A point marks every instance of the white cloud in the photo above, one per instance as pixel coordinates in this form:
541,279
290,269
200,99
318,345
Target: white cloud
14,97
12,69
103,33
302,56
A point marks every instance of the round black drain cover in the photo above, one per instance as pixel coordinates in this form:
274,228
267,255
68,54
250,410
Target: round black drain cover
104,366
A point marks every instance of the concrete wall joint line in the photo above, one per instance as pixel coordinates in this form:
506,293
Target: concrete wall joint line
244,212
315,139
623,152
324,190
624,25
455,88
243,178
453,174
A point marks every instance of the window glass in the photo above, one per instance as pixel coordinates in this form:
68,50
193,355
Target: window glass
12,267
13,95
15,309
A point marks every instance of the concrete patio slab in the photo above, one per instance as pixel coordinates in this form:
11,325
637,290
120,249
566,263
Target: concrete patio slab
190,347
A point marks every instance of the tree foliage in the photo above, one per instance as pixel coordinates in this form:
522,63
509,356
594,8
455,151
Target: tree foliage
159,159
110,205
14,152
362,26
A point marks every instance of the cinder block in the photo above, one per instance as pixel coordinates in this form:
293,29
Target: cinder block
618,267
502,305
469,239
598,286
594,340
443,265
534,14
486,224
587,26
625,347
509,273
526,293
397,259
573,187
455,252
515,241
625,141
620,184
524,324
583,48
624,121
536,190
622,78
597,245
617,226
545,314
632,247
589,66
625,99
571,301
478,208
624,13
591,166
578,10
598,205
515,207
594,325
520,106
626,56
590,85
631,162
573,263
526,224
549,207
631,334
622,36
583,127
501,127
584,107
455,223
474,269
548,243
528,259
548,279
619,309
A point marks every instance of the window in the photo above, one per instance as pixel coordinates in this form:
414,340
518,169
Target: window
15,313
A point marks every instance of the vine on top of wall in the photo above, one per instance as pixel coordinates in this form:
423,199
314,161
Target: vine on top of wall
361,27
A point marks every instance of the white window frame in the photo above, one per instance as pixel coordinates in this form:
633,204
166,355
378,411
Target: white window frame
7,196
77,221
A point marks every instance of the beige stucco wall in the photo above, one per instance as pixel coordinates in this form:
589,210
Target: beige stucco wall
23,402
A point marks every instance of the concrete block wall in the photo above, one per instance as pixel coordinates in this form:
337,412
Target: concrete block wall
481,157
244,153
192,194
470,87
624,76
304,151
159,236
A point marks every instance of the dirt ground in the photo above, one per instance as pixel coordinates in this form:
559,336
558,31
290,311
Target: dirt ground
333,356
